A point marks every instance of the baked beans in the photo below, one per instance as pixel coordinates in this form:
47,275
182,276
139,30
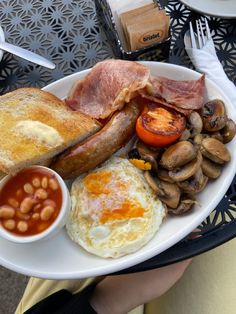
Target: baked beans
44,182
36,182
30,202
13,202
41,194
27,204
6,212
46,213
9,224
22,226
28,188
53,184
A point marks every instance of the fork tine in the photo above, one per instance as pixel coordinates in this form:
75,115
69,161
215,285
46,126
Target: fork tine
199,35
207,29
202,33
192,36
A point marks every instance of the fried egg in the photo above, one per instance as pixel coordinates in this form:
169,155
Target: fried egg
114,211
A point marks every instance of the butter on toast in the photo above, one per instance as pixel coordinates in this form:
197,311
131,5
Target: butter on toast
35,126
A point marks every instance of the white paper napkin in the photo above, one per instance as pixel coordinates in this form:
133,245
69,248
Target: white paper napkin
206,61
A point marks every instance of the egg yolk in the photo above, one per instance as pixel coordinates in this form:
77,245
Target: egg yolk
96,182
141,164
107,189
127,210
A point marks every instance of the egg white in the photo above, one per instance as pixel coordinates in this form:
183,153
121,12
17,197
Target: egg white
102,190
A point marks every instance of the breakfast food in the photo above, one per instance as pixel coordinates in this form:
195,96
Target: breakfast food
159,126
183,169
184,94
114,211
30,201
113,83
35,126
100,146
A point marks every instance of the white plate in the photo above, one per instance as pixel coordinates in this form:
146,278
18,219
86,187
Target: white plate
60,258
220,8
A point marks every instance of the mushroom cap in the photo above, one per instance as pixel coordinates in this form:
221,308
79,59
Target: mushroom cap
214,115
154,183
168,193
196,123
163,174
215,150
172,197
217,135
195,184
229,131
178,155
185,135
210,168
185,205
188,170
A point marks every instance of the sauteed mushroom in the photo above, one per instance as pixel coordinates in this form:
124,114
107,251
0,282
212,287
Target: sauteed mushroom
187,171
194,126
183,169
163,174
195,184
185,135
154,183
169,193
215,150
210,169
198,138
196,123
214,115
172,197
217,136
178,154
186,204
229,131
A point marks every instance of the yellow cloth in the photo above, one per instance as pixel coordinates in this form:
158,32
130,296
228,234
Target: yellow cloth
207,287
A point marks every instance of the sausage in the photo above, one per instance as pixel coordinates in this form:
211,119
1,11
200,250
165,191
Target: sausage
100,146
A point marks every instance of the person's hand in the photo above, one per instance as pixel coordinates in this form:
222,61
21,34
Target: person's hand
120,294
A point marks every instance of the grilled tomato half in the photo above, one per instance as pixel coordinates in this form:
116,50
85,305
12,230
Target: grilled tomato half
158,126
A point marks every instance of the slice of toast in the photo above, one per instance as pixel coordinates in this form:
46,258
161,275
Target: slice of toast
35,126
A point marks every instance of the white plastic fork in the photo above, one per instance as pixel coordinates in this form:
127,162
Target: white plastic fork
200,48
200,40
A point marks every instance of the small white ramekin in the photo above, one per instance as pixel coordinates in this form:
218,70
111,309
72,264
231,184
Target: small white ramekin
2,38
56,226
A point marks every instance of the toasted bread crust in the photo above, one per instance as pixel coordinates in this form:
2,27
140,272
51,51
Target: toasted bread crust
21,147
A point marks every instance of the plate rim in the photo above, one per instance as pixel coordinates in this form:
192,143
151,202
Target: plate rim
214,14
123,264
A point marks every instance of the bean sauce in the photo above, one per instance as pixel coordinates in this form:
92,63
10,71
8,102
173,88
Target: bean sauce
30,202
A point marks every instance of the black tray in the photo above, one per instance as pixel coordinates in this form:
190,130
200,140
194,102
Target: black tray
70,34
